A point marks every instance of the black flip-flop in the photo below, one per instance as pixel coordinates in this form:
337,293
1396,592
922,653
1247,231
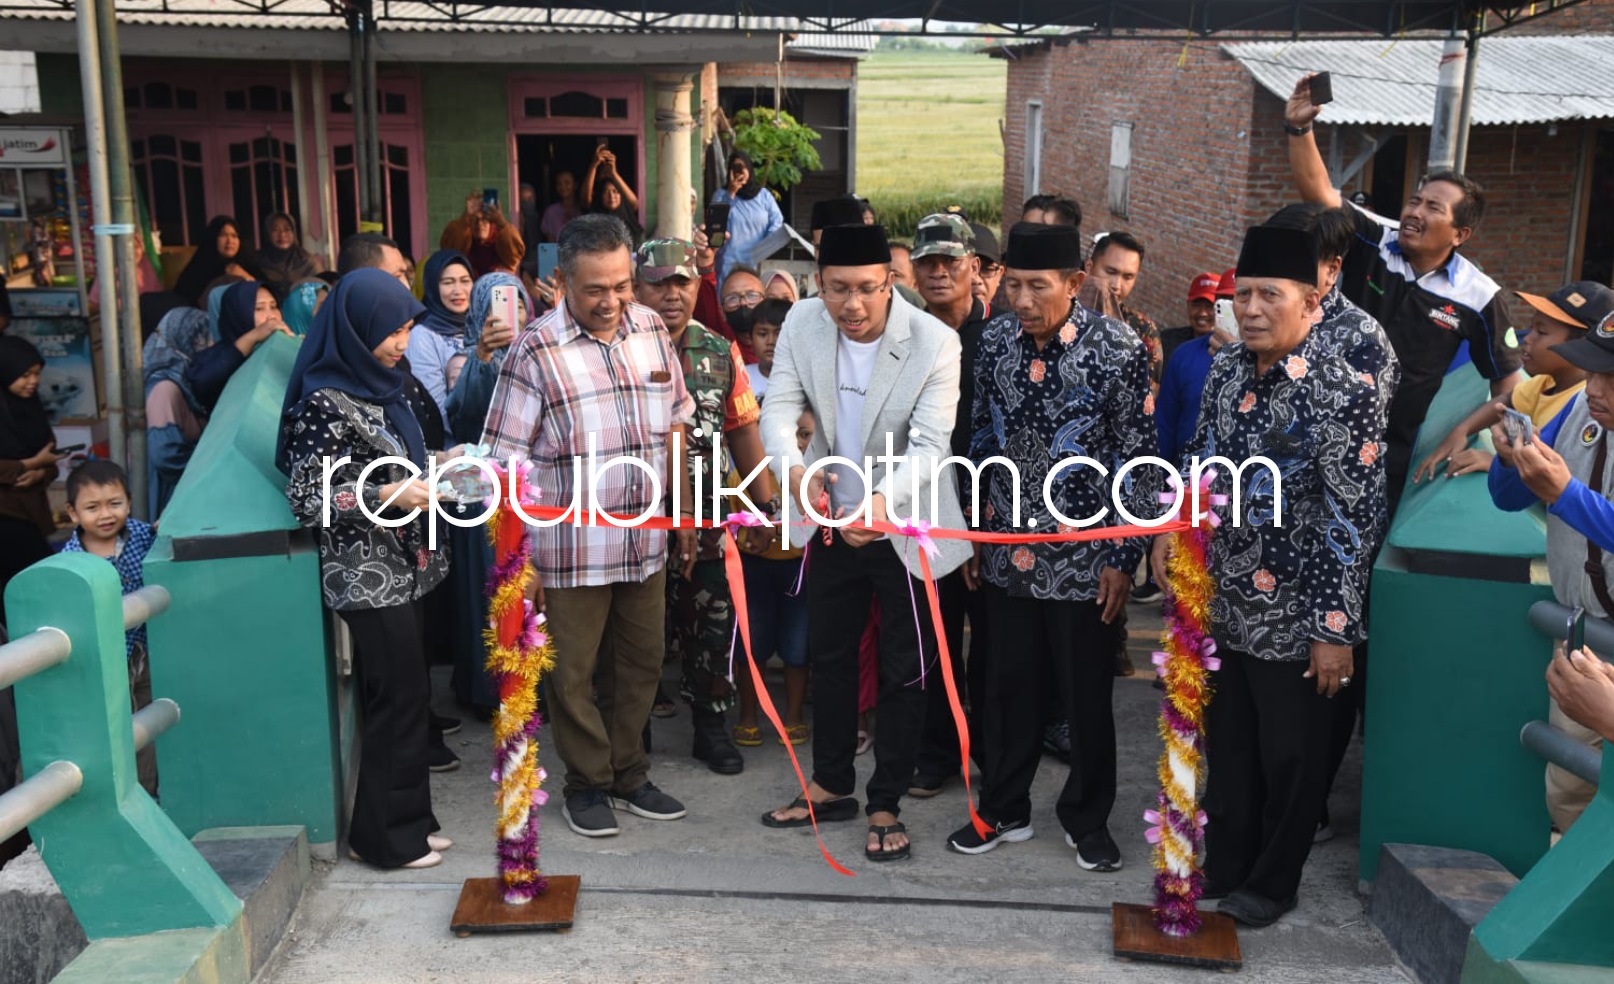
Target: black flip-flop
829,811
900,854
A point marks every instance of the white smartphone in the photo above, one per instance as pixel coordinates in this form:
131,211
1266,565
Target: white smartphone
506,306
1224,316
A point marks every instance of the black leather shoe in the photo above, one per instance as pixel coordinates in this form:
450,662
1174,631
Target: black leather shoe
1255,911
712,744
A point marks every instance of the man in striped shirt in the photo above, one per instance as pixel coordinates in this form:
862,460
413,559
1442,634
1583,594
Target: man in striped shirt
598,376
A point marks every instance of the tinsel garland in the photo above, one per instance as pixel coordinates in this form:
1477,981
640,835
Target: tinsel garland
518,655
1178,831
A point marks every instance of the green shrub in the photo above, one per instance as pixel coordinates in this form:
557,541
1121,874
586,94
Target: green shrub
780,148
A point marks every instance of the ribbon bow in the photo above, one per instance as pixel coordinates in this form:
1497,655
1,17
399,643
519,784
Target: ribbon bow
1207,647
736,519
919,529
1154,833
1174,497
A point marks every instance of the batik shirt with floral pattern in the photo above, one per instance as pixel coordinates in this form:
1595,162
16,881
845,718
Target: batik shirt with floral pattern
1279,588
1084,393
1345,330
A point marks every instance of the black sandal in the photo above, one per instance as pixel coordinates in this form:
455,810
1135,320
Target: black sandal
900,854
829,811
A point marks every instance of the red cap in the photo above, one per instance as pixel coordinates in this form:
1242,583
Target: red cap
1203,287
1226,286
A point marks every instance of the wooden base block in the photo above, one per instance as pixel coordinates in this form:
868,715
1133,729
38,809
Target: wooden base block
482,908
1215,946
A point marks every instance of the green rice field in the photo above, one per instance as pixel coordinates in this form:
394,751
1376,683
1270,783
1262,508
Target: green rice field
927,135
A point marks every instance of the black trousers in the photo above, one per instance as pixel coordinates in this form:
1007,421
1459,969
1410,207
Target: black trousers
841,580
1266,745
392,810
938,745
1030,640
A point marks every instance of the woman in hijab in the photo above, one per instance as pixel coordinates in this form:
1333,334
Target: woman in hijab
446,280
220,252
302,301
753,214
27,461
174,417
282,258
248,314
781,286
487,338
346,402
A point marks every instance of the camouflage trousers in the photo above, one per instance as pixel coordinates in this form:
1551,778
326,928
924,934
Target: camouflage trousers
700,628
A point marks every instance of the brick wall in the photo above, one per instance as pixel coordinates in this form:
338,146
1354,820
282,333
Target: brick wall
1591,17
1191,110
1209,158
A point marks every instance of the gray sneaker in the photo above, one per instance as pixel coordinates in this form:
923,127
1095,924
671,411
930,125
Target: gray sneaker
589,813
649,802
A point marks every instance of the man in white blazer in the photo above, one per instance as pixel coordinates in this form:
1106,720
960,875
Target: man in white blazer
874,371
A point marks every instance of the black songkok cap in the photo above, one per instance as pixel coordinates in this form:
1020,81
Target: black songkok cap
841,210
854,245
1034,246
1285,253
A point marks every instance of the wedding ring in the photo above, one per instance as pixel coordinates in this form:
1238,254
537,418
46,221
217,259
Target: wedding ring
1344,681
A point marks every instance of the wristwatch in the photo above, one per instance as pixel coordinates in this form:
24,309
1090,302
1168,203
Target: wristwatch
1296,131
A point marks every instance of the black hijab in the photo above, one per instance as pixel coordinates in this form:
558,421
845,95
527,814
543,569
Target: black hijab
438,317
284,266
366,306
207,265
753,186
238,310
24,425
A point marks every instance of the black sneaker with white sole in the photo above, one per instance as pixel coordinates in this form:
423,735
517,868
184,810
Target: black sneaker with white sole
588,813
1147,594
440,759
649,802
966,840
1096,851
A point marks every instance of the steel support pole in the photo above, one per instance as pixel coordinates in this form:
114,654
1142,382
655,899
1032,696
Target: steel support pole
372,116
355,91
322,167
302,151
106,283
1465,107
37,795
126,225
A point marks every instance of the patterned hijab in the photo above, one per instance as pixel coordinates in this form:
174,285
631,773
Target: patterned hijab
181,333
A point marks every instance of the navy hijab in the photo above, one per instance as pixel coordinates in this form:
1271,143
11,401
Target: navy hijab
438,317
366,306
238,310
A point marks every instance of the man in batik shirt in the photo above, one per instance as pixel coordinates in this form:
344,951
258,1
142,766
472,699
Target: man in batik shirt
1290,565
1053,381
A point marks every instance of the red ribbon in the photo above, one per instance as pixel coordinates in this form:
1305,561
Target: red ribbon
736,579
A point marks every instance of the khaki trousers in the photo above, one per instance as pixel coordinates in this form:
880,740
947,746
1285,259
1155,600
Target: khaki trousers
1568,795
608,638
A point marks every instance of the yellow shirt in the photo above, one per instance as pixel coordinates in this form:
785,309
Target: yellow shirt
1532,398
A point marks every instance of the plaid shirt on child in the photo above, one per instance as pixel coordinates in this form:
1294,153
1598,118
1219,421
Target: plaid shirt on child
133,543
559,387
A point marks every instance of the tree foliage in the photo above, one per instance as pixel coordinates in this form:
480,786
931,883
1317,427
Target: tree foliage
780,148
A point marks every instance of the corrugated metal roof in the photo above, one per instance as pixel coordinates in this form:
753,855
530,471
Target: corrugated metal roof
849,42
1517,80
405,16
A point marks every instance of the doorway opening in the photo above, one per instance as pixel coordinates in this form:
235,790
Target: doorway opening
541,157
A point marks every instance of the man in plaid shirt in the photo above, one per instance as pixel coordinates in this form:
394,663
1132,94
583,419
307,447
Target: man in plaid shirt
599,373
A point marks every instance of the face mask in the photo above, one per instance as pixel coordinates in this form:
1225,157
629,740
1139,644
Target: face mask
741,320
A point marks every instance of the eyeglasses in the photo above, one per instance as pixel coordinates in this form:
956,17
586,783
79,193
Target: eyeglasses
842,294
750,297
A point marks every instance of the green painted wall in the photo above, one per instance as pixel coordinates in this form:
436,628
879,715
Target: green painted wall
59,91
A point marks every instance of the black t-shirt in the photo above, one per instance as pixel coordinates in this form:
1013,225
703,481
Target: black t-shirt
969,336
1427,319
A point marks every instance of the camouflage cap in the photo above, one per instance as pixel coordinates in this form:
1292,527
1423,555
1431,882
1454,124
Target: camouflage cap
658,259
943,234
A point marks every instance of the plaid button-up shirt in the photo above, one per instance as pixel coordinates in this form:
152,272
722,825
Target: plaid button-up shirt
560,388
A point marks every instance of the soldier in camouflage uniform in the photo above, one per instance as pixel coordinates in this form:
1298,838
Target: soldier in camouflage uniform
700,613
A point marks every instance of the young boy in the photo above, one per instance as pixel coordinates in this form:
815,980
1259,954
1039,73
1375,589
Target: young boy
1562,316
98,504
765,323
